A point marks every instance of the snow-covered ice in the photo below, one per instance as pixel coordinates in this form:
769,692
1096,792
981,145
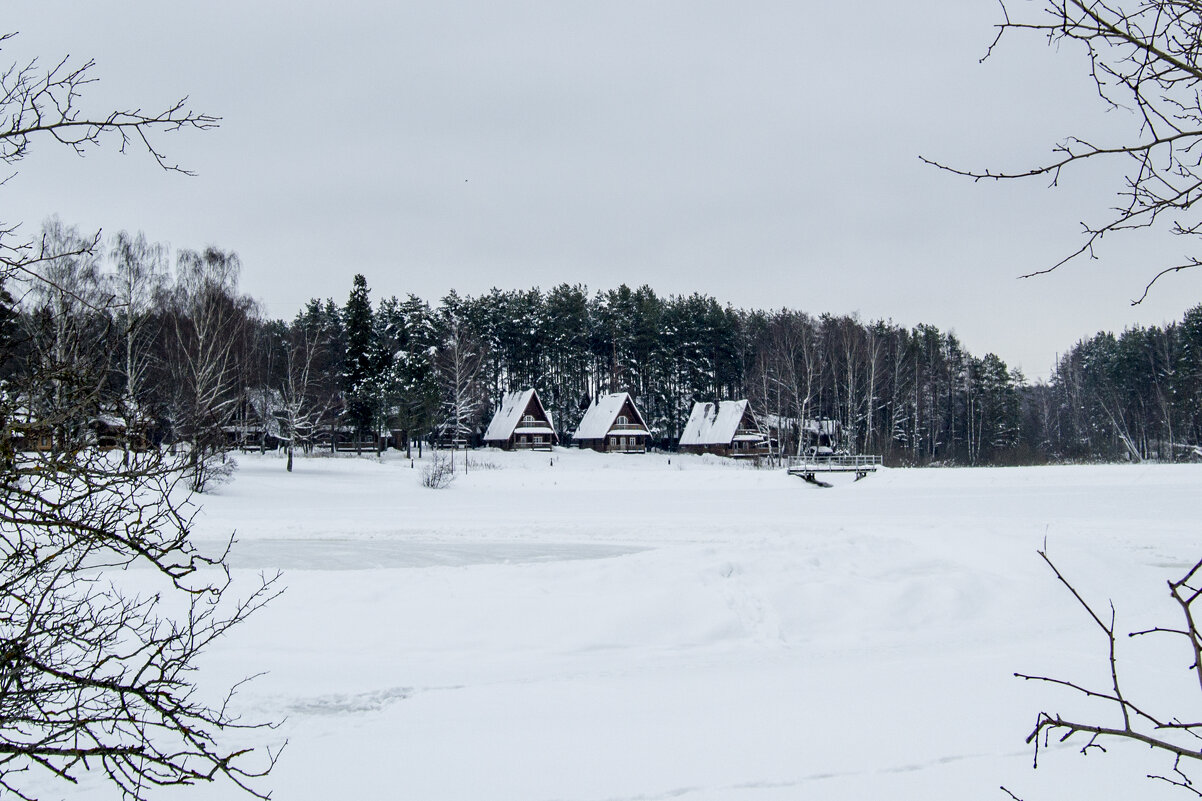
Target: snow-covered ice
606,627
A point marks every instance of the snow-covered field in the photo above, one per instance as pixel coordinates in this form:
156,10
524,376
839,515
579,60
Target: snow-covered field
612,628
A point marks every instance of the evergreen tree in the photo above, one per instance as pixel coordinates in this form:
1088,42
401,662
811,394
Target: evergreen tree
416,366
358,371
566,337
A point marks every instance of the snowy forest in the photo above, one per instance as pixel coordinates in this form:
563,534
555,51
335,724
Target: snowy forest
179,350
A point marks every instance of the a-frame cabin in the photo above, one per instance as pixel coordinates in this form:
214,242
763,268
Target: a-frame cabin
726,428
613,424
521,423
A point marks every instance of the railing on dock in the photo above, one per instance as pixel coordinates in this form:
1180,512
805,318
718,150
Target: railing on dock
808,466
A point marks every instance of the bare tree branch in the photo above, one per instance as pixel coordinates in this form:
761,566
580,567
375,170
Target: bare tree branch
37,102
1138,723
1145,58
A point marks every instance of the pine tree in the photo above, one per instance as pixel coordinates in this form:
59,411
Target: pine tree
567,355
358,370
419,393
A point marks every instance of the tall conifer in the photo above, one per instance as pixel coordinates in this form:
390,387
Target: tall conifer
358,369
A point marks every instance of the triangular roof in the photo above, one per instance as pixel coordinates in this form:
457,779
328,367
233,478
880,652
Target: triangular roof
509,415
713,424
600,417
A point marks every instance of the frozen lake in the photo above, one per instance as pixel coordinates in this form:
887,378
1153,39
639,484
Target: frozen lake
360,554
622,628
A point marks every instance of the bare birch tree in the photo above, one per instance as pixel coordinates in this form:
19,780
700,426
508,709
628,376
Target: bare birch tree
458,362
209,320
135,285
65,301
304,406
797,347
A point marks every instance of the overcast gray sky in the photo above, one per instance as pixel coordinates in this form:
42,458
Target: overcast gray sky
765,153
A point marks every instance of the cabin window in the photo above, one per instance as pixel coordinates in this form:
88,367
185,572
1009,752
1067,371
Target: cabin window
528,419
622,420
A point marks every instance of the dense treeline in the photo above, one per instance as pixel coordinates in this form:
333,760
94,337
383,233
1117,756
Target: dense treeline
1137,395
181,355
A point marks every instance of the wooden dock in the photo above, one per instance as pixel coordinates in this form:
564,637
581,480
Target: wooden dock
811,467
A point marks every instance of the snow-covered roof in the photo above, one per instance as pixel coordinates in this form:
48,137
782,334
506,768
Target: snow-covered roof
714,424
823,426
110,420
509,415
265,401
600,417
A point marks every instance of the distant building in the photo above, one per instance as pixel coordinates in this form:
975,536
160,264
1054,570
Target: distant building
726,428
821,436
28,433
811,435
110,431
521,423
613,424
